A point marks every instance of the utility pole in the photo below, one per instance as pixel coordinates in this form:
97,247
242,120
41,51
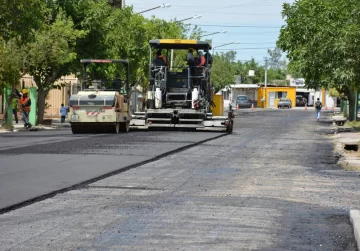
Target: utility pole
266,65
266,79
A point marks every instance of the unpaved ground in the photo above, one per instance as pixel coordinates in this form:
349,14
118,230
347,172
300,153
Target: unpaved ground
272,185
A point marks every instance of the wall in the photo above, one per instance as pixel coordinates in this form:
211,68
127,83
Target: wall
327,101
262,92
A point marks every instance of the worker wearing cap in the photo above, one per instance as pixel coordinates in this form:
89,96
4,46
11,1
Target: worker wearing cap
200,59
25,104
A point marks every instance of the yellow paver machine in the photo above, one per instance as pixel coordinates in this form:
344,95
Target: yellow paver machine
181,96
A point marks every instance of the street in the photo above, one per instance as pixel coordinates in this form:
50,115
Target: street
274,184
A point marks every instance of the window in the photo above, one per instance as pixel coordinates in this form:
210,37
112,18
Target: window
241,98
280,95
93,100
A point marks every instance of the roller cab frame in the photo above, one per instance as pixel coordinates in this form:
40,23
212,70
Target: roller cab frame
102,106
181,97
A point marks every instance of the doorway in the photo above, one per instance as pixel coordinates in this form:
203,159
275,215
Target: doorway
271,102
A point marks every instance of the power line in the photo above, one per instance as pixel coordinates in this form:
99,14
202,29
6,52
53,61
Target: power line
260,43
239,26
237,49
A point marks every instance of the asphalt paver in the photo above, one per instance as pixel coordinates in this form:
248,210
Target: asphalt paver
274,184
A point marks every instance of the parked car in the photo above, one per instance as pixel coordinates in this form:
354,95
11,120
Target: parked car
243,101
301,101
284,102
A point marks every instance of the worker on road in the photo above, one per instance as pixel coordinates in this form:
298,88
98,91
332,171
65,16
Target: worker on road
318,106
63,112
25,103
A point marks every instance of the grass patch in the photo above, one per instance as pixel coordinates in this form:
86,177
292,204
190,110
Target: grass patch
353,124
5,126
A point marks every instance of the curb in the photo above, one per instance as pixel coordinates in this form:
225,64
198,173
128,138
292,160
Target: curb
355,220
38,128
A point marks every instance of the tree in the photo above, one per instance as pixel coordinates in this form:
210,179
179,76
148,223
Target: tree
223,71
11,68
51,54
19,18
321,41
274,60
116,33
242,69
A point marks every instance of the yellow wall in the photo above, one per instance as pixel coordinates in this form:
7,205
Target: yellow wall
219,102
291,94
323,97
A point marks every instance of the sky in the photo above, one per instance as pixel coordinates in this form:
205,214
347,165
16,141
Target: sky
253,23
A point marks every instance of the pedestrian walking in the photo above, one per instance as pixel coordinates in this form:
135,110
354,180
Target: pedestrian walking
25,106
63,112
318,106
14,104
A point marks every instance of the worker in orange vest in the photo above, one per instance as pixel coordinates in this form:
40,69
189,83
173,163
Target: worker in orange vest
160,60
25,106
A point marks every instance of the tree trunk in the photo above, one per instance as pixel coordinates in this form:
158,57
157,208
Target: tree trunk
6,108
352,100
5,115
41,104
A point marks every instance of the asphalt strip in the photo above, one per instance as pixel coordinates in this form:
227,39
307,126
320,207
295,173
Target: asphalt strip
104,176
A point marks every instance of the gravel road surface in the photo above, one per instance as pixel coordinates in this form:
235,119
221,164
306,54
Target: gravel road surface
272,185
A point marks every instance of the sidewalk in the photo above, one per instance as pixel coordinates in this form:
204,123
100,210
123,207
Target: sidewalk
55,124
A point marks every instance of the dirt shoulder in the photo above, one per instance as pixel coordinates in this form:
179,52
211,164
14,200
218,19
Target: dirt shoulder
347,146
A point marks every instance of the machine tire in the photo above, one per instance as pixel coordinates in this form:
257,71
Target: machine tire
124,126
75,129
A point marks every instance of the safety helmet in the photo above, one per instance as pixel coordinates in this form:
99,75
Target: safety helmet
25,91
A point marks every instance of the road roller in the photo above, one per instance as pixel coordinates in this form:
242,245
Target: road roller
102,106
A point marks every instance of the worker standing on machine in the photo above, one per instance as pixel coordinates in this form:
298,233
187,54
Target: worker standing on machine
160,60
25,106
200,59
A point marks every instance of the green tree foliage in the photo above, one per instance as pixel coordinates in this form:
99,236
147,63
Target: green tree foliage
11,68
321,39
222,72
51,54
19,18
274,60
114,33
242,69
130,39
